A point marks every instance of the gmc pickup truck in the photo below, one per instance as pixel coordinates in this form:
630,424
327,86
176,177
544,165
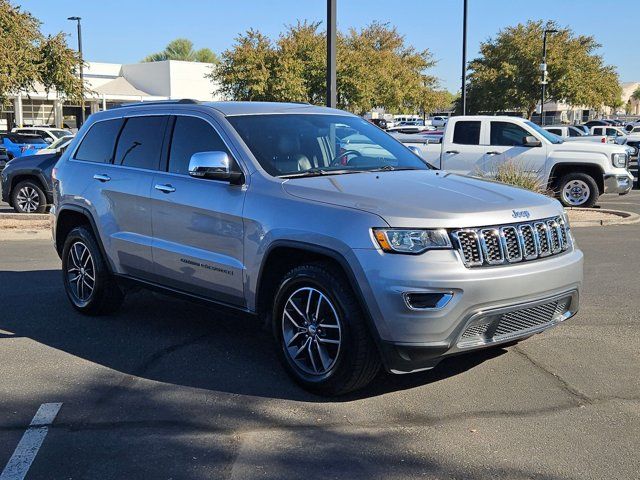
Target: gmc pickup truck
577,172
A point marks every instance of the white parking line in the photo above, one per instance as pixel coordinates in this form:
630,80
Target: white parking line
30,442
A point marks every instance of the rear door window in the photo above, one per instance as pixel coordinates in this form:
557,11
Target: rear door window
467,133
140,143
99,142
555,131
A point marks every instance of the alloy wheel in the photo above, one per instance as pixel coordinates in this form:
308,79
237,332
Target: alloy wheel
80,272
311,331
28,199
576,193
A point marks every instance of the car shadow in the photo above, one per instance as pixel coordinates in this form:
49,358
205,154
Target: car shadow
165,339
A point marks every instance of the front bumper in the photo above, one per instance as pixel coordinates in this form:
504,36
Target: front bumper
415,339
618,183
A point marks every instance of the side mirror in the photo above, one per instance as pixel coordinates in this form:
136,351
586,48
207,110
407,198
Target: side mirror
531,141
415,150
214,166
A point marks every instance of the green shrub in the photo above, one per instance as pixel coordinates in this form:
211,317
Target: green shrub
514,174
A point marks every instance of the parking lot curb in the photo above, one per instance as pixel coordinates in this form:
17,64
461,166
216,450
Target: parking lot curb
619,217
19,234
24,216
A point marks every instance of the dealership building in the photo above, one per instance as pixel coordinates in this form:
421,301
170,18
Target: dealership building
108,85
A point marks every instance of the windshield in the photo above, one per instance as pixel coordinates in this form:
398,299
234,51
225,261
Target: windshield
60,142
61,133
312,144
548,135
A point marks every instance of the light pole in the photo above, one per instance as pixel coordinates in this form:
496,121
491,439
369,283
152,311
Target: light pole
464,60
331,53
543,69
77,19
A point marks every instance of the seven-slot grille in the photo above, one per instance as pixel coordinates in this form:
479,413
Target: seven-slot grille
512,243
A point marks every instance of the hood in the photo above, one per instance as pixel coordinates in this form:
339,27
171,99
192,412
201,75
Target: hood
589,147
426,198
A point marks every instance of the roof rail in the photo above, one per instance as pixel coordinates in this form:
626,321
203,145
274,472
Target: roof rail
160,102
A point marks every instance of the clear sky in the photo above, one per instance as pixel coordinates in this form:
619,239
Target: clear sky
126,31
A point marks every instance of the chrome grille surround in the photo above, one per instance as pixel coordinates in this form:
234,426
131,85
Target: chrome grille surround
517,321
514,243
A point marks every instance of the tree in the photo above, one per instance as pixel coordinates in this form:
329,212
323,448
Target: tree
509,64
27,57
374,69
182,49
636,94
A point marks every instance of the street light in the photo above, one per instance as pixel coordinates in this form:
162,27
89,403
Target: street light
543,69
464,60
77,19
331,53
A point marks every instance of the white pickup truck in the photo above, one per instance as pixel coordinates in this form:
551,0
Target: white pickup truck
577,172
569,133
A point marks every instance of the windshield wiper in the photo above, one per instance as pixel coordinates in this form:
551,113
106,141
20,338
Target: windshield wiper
315,172
391,168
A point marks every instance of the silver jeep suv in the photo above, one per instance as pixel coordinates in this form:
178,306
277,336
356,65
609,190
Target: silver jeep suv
356,253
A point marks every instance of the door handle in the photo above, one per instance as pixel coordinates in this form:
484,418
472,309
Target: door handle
101,177
493,153
165,188
452,152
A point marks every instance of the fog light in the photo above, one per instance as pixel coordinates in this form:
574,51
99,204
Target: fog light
427,300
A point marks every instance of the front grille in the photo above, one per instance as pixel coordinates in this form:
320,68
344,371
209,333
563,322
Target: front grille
516,243
514,323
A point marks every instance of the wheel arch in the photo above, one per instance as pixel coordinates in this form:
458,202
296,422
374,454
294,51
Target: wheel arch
559,170
283,255
70,217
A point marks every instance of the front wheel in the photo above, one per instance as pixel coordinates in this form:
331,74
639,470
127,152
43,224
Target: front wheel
578,190
323,340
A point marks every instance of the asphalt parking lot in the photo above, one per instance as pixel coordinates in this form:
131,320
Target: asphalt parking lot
167,389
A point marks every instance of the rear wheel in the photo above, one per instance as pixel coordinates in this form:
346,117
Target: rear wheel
88,283
323,339
578,190
28,197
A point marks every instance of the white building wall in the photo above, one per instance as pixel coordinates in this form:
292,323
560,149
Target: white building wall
188,80
150,77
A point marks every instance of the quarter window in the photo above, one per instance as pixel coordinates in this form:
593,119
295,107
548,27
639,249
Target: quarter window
467,133
192,135
140,142
507,134
99,142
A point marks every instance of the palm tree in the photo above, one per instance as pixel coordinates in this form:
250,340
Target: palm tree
182,49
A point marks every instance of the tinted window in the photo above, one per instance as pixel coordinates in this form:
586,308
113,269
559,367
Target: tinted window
99,142
555,131
467,133
507,134
574,132
140,142
191,135
598,131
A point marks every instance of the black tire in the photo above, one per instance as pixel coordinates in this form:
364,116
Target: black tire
28,197
105,295
583,198
357,361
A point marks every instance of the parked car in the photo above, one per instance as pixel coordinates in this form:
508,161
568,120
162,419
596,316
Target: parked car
56,146
577,171
597,123
612,132
382,261
4,157
439,121
569,133
583,128
26,183
49,134
18,144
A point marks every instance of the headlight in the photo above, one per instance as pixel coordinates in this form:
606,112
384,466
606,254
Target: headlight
619,160
411,241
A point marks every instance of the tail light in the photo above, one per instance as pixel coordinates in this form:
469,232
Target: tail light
604,140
